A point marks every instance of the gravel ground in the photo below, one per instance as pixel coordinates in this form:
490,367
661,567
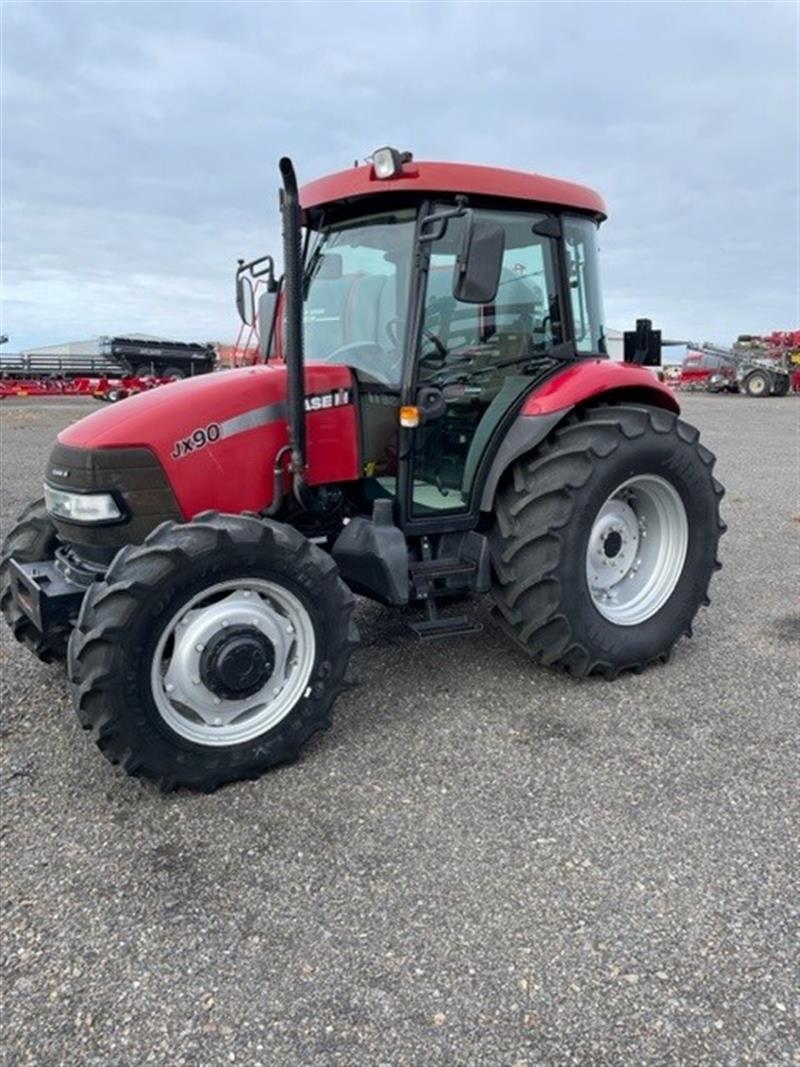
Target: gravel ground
481,863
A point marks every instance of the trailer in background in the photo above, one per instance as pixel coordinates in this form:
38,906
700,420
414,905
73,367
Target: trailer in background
111,357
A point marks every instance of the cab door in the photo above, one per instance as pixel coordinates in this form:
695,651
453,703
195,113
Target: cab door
479,361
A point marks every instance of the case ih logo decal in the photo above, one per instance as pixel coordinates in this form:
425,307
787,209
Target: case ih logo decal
199,438
337,399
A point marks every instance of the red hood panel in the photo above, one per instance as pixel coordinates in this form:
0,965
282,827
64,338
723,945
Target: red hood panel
217,435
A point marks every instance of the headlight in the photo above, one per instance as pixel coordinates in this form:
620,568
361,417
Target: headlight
81,507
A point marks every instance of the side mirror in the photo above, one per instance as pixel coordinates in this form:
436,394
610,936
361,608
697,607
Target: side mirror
245,299
267,303
263,267
477,271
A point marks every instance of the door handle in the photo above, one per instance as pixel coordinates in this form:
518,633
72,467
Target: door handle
430,403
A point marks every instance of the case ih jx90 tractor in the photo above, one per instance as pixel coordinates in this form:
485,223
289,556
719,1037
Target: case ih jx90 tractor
435,416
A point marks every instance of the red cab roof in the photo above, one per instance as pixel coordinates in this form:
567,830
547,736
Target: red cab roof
453,178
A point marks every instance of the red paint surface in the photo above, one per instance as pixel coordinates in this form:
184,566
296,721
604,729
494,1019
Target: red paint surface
453,178
234,473
587,379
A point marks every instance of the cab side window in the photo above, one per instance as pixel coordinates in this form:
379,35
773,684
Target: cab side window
580,238
523,321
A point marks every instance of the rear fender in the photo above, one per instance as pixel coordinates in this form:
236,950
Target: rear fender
576,386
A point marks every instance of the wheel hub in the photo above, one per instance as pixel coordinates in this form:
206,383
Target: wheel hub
613,544
636,550
233,661
237,662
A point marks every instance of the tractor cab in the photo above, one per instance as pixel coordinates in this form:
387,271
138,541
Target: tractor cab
449,291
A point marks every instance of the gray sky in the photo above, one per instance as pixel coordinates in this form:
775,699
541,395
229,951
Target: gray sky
140,144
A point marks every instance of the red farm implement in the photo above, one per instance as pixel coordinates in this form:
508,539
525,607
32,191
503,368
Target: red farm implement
110,389
755,366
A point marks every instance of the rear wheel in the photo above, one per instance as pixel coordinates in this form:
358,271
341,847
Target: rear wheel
605,541
213,651
782,383
758,383
33,539
175,374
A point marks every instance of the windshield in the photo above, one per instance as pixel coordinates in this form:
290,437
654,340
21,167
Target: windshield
357,279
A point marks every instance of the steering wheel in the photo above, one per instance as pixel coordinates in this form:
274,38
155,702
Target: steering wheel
370,358
391,333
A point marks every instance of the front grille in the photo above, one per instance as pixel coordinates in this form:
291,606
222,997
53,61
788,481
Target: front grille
136,478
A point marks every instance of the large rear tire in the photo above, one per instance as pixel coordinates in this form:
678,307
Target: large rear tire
605,541
782,383
32,539
212,652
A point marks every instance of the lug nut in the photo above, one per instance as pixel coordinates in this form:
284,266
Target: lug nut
170,688
195,681
199,648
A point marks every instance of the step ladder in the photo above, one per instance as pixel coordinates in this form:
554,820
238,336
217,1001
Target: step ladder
424,576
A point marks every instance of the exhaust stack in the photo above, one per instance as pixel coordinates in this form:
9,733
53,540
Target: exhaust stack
293,289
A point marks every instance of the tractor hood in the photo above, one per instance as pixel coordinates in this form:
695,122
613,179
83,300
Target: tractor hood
152,418
216,436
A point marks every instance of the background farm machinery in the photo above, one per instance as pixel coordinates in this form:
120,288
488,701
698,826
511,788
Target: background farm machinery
109,368
755,366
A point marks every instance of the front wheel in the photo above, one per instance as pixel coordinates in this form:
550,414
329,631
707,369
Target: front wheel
212,652
606,539
33,539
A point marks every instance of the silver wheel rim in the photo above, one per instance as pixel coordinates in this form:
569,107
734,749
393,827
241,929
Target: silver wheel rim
184,701
637,549
758,384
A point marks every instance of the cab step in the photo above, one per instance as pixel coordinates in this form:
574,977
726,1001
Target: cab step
435,629
426,572
441,568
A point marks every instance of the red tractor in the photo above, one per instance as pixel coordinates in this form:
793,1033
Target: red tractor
435,416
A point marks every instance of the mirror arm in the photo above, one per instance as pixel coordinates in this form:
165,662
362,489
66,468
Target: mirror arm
440,219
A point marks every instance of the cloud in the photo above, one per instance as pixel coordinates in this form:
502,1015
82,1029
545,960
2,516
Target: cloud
141,140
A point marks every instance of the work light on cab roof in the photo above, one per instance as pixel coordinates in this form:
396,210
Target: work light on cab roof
387,162
434,415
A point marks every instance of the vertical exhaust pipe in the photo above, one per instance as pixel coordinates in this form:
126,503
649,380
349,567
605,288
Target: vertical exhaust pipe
293,290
